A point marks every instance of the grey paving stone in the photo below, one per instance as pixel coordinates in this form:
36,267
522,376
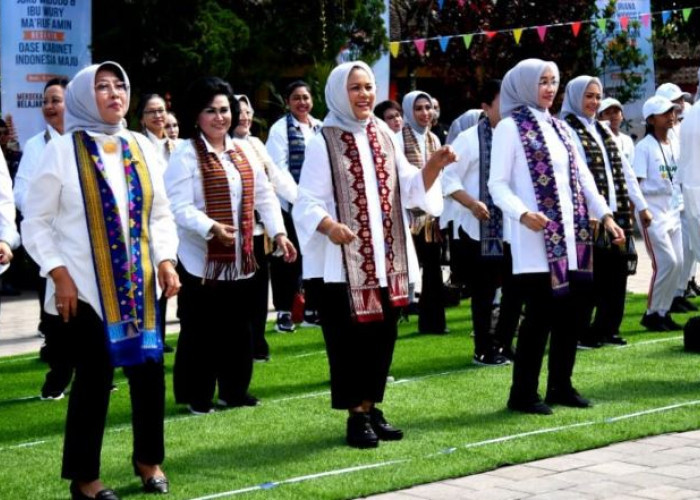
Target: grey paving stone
496,494
517,472
689,484
479,482
666,493
682,471
616,468
692,435
604,489
598,456
635,447
437,491
562,495
579,476
564,463
670,440
657,459
684,451
646,479
623,497
397,495
539,485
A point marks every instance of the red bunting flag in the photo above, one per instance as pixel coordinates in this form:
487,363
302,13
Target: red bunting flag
624,22
420,45
461,3
646,19
490,34
542,32
575,28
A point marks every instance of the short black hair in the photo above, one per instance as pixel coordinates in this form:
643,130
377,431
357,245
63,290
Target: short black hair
199,95
385,106
63,82
293,86
144,100
489,90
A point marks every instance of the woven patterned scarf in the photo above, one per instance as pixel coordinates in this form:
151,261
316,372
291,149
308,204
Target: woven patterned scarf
596,164
297,147
351,203
491,230
418,220
547,196
125,276
221,259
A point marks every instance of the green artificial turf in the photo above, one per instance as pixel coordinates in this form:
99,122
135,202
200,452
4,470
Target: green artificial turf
453,414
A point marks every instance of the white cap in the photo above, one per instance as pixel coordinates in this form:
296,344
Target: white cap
671,91
657,105
609,102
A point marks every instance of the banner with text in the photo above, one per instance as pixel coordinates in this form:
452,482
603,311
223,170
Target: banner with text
41,40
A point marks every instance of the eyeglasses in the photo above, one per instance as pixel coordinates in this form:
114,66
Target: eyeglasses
106,87
154,112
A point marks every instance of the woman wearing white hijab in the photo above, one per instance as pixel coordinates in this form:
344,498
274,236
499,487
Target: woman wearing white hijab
541,183
418,144
354,188
617,183
97,221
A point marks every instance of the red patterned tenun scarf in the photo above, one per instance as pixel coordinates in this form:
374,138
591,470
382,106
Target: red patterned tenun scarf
217,205
351,203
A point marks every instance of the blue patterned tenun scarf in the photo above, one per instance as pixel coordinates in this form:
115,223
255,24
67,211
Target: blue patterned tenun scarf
546,193
126,280
491,230
297,147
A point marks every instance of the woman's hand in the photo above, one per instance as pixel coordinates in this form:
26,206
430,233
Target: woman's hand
225,233
480,210
340,234
168,279
645,217
535,221
442,157
618,235
5,253
66,295
289,253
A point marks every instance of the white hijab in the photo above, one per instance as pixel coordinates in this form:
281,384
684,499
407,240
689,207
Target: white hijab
244,98
520,86
407,105
573,98
81,102
340,113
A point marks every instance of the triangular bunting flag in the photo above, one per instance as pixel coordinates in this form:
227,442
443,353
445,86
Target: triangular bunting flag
542,32
444,40
461,3
602,24
665,16
646,20
686,13
490,34
517,33
440,2
575,28
467,40
624,22
420,45
394,48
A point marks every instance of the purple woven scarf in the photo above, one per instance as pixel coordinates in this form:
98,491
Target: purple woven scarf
547,195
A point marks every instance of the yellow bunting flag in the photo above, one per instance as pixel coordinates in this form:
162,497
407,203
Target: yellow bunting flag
517,33
394,48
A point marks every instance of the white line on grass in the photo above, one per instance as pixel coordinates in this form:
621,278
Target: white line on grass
646,342
17,359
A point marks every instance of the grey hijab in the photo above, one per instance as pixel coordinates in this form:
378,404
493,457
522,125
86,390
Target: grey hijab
407,104
573,98
81,102
340,113
520,86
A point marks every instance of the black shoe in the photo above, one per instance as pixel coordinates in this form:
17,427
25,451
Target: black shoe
247,400
261,358
284,322
360,433
588,344
200,409
168,349
383,429
567,398
694,287
614,340
682,305
689,305
105,494
654,322
154,484
52,395
535,407
670,324
491,358
311,319
507,352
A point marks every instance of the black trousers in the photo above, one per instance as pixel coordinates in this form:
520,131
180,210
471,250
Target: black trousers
511,303
216,340
608,298
260,284
431,305
487,276
89,400
359,354
545,314
286,277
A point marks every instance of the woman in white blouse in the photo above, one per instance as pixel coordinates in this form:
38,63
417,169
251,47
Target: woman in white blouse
353,192
540,181
97,221
214,186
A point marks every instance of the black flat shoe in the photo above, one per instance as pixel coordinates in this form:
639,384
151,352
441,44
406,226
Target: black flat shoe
383,429
533,408
105,494
569,398
360,433
156,484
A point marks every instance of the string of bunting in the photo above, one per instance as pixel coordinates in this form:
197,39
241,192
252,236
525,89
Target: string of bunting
517,33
